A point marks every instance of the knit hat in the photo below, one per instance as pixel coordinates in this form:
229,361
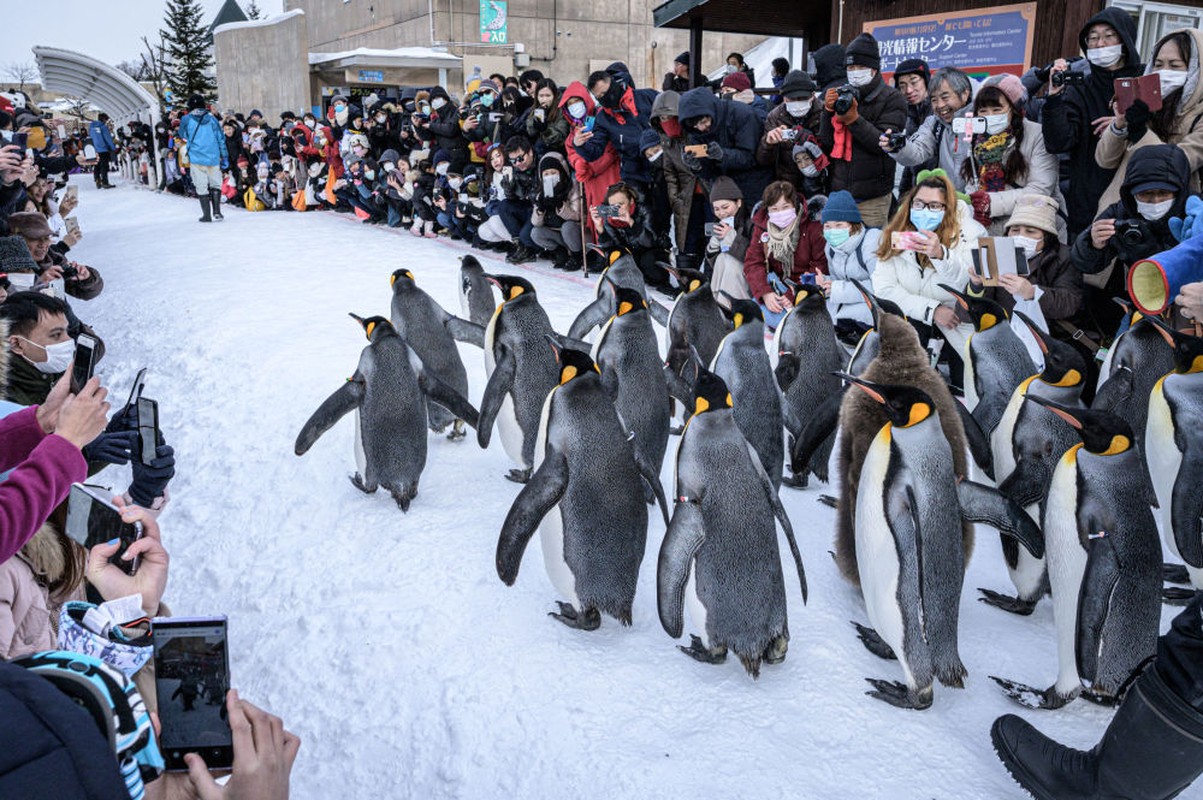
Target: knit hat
14,255
737,81
682,59
440,155
725,188
841,208
648,139
195,102
863,51
913,66
30,224
811,147
1009,85
1036,210
797,84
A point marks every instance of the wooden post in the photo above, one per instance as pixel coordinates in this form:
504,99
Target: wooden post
695,50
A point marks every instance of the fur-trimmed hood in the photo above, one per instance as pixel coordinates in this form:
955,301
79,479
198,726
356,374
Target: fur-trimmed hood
44,554
3,357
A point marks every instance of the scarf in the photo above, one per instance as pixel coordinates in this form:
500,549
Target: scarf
842,147
990,152
782,242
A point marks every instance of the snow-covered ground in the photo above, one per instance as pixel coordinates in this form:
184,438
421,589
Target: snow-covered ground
387,641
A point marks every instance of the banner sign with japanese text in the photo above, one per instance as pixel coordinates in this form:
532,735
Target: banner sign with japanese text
494,22
983,41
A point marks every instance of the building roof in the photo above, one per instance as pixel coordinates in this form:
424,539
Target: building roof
399,57
756,17
258,23
230,11
107,88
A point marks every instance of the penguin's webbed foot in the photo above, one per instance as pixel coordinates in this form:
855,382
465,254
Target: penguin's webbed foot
358,482
1174,596
1175,573
518,475
829,500
1105,700
775,652
1013,605
899,695
457,431
1031,697
874,643
699,652
798,480
590,620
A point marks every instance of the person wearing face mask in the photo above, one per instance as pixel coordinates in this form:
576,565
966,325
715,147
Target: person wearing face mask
851,252
1179,121
1008,160
624,113
736,88
598,175
728,243
851,138
730,133
813,165
1155,188
934,145
383,130
627,225
545,125
796,116
686,199
786,245
555,224
933,248
40,345
736,63
1073,117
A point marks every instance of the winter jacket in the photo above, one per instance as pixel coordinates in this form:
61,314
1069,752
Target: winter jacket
596,175
206,141
1114,150
780,156
915,288
549,133
808,255
679,180
1067,119
674,83
565,203
737,241
855,259
28,615
736,129
622,127
829,68
1041,178
102,138
83,290
870,172
934,145
445,125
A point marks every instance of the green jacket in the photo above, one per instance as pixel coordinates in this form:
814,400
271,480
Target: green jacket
26,385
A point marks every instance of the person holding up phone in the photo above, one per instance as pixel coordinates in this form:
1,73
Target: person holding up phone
786,244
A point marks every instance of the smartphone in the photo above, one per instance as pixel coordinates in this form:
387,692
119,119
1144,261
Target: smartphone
907,240
85,362
698,150
707,229
507,171
148,428
969,125
72,226
605,211
192,677
135,391
589,123
21,140
89,153
1129,90
72,192
92,519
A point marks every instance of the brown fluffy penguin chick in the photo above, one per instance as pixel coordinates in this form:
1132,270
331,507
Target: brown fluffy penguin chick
902,360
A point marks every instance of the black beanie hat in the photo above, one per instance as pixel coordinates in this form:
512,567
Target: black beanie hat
725,188
863,51
682,59
913,66
796,84
195,102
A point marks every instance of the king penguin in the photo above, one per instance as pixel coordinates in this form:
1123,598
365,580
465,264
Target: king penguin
1104,562
695,322
521,369
720,557
475,292
585,497
622,272
431,332
910,513
387,393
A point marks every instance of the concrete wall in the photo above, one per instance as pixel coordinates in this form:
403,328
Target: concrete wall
598,30
263,66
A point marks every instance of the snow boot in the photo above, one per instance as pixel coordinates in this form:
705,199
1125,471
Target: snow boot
215,199
1152,750
206,206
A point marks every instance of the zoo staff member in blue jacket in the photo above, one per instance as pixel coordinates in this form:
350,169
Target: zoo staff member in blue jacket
206,155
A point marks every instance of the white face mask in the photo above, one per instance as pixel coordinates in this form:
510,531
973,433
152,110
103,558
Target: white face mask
455,183
442,168
550,182
380,118
58,356
1028,245
997,123
1154,211
860,77
438,103
576,110
1171,79
730,69
389,167
797,108
1105,56
810,171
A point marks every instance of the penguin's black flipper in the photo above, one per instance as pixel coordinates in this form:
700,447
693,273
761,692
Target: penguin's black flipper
1027,483
979,442
779,512
653,480
464,331
592,315
987,413
448,398
544,489
1187,509
336,406
1175,573
499,385
787,369
678,387
571,342
685,534
1114,392
1094,602
658,313
822,424
981,503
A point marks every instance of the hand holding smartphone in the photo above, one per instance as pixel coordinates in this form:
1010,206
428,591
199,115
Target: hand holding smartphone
192,677
92,519
914,241
85,362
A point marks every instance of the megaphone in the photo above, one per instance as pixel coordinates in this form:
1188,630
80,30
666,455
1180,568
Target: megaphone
1154,282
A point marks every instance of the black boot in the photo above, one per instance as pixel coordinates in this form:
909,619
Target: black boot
206,205
520,254
215,199
1152,750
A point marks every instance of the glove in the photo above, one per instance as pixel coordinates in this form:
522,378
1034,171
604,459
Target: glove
225,164
691,161
829,98
714,151
1190,225
150,482
1137,117
124,420
849,117
112,448
981,207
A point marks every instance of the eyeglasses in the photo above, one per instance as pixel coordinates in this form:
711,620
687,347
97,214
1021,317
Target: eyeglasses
919,205
1102,38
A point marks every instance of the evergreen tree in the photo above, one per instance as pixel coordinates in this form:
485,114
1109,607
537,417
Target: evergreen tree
187,50
252,11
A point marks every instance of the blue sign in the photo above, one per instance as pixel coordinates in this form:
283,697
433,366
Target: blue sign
371,76
983,41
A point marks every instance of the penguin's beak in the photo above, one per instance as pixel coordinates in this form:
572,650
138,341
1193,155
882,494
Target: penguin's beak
1169,334
493,280
870,301
962,298
1041,336
865,386
1058,409
357,318
555,345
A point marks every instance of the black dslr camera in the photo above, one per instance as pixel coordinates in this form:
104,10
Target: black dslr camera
846,95
1130,231
896,141
1068,78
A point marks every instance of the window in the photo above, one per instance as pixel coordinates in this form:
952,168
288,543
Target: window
1155,20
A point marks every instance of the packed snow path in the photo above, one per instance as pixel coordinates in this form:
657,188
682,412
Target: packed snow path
387,641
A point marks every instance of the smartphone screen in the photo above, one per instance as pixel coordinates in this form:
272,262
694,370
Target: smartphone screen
21,140
589,123
192,677
148,428
92,519
85,360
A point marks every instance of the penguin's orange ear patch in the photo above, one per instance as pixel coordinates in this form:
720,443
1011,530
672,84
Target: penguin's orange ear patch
567,374
392,279
1196,364
739,320
371,326
515,291
730,402
625,308
615,255
919,412
694,284
988,321
701,405
1119,444
1070,378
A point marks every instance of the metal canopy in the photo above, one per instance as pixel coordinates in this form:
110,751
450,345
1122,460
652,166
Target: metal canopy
755,17
107,88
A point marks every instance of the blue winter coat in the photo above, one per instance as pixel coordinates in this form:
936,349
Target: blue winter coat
206,141
623,129
737,128
102,139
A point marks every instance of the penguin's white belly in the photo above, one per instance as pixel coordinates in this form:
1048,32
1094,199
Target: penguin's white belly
876,552
1066,565
510,430
1002,449
694,606
1164,461
601,339
668,336
1028,574
968,380
361,458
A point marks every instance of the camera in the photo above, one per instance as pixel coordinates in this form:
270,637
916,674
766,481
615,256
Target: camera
1068,78
70,271
846,95
493,117
896,141
1130,231
606,211
789,135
